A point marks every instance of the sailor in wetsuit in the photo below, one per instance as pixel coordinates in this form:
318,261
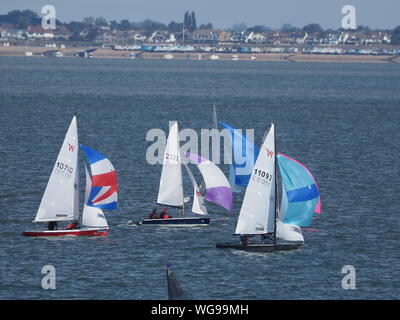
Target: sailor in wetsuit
52,225
244,240
73,225
267,238
164,214
153,214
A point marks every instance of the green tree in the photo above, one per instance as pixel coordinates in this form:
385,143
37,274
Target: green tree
88,21
100,21
313,28
175,26
113,24
124,25
239,26
395,39
193,23
207,26
187,20
257,29
92,34
23,22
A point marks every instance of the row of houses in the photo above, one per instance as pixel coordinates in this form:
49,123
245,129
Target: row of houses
275,38
107,36
7,32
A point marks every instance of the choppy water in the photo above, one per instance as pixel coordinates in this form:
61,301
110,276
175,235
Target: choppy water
341,120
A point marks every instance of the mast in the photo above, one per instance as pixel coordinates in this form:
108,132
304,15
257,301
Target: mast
276,188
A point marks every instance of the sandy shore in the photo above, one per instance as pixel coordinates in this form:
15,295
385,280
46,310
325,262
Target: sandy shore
109,53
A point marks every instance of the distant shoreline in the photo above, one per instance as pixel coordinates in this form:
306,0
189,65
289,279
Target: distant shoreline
19,51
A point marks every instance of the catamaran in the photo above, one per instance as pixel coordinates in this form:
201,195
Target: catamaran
60,201
171,193
259,211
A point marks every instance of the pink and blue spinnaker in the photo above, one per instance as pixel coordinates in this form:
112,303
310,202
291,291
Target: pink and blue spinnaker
301,197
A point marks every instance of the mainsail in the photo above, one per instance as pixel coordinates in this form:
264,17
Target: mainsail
257,214
218,189
60,198
104,190
171,186
300,193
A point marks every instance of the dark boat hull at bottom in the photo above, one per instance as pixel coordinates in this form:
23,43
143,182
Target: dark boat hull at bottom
259,247
177,222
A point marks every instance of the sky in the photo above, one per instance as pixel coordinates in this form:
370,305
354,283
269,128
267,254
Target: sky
222,13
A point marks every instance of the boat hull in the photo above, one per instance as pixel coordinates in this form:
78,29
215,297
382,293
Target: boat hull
260,247
177,222
97,232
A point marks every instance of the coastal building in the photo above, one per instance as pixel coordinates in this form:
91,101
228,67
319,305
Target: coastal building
38,33
62,33
161,37
239,36
255,38
13,34
204,36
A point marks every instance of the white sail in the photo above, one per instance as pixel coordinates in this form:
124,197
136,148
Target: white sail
198,201
171,187
257,215
217,187
92,216
59,200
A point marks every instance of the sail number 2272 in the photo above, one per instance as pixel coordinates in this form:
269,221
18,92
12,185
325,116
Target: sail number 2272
170,156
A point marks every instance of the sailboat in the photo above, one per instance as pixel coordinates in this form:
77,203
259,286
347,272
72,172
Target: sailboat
175,291
60,201
300,193
171,191
258,214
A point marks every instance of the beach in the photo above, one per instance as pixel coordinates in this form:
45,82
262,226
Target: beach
123,54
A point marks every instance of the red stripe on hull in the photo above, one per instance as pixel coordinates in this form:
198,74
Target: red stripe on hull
59,233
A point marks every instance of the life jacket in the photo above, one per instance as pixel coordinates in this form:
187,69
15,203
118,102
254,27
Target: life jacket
166,216
70,226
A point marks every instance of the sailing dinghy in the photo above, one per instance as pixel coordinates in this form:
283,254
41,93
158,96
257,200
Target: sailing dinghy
258,214
171,191
300,193
60,201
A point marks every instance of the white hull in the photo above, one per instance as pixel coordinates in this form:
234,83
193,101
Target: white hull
288,232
